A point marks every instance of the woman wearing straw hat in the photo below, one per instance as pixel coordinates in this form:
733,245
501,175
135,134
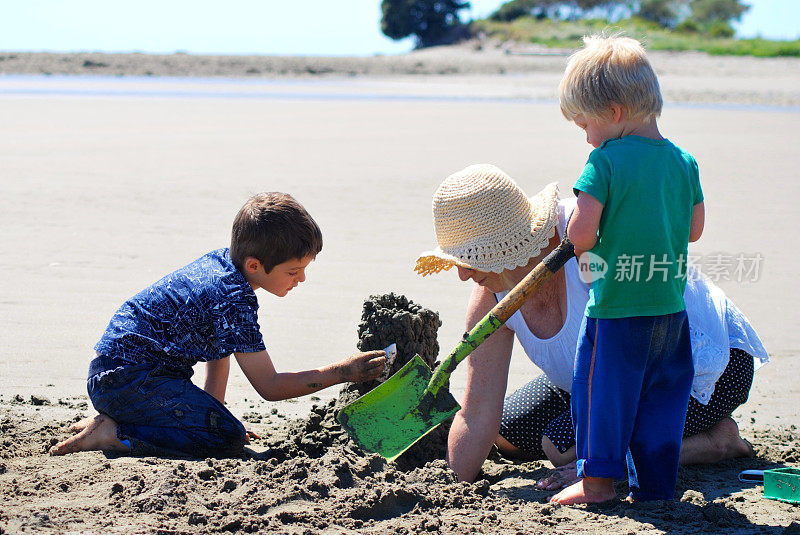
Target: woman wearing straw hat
494,235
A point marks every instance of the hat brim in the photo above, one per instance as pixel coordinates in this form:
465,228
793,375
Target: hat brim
437,260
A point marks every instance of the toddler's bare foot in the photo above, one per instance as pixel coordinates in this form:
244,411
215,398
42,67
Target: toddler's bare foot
587,490
99,434
81,425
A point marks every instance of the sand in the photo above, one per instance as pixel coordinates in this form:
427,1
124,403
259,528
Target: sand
288,484
111,181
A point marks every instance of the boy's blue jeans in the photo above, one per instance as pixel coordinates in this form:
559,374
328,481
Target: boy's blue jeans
630,391
160,411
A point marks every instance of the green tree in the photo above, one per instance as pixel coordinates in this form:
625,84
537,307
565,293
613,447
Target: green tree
515,9
431,22
554,9
714,17
706,15
665,13
711,11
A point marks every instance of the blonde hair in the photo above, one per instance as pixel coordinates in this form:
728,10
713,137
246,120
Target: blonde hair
609,70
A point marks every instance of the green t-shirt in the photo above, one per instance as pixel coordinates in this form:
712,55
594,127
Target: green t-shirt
648,188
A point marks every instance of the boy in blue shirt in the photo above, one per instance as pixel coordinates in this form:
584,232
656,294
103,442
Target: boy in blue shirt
639,204
204,312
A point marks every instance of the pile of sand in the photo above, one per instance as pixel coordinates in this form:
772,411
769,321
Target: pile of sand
385,319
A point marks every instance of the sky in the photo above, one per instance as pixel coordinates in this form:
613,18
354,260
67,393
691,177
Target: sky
279,27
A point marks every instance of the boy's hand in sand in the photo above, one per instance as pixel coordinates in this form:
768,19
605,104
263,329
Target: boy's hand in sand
362,367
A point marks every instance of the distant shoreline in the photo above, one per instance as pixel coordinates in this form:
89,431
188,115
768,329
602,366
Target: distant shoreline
472,57
527,72
435,61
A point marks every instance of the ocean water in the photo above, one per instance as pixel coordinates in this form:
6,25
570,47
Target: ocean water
258,89
395,89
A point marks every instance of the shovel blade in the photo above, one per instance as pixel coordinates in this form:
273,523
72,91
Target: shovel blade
393,416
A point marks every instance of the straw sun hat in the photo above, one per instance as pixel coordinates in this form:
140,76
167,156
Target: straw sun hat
484,221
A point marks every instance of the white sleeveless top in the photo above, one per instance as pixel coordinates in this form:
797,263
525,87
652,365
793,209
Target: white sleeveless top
556,355
715,326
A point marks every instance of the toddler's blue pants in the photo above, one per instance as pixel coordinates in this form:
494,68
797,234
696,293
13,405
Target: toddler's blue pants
630,391
159,411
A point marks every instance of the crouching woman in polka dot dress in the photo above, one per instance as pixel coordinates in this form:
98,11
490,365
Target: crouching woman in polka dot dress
495,235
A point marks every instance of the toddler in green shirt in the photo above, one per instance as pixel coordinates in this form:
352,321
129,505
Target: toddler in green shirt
639,204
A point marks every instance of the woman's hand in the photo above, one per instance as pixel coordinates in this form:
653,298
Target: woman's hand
561,477
362,367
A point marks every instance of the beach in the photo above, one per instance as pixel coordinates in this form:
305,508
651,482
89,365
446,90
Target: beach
118,170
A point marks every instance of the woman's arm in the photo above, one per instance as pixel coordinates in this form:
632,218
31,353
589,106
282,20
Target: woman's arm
476,426
217,378
274,386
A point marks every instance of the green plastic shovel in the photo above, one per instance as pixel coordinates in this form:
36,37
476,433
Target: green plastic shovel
393,416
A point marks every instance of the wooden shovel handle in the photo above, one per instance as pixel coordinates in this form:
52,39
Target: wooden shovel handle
534,280
501,312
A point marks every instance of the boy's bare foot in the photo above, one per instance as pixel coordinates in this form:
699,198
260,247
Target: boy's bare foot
99,434
81,425
587,490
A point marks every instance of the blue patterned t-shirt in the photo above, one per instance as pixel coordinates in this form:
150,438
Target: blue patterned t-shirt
204,311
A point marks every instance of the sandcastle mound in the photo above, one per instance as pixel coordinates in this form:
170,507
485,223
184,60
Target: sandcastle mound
385,319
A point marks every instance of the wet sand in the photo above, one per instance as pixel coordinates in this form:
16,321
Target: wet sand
107,188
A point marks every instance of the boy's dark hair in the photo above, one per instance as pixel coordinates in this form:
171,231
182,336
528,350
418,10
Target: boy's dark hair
273,227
